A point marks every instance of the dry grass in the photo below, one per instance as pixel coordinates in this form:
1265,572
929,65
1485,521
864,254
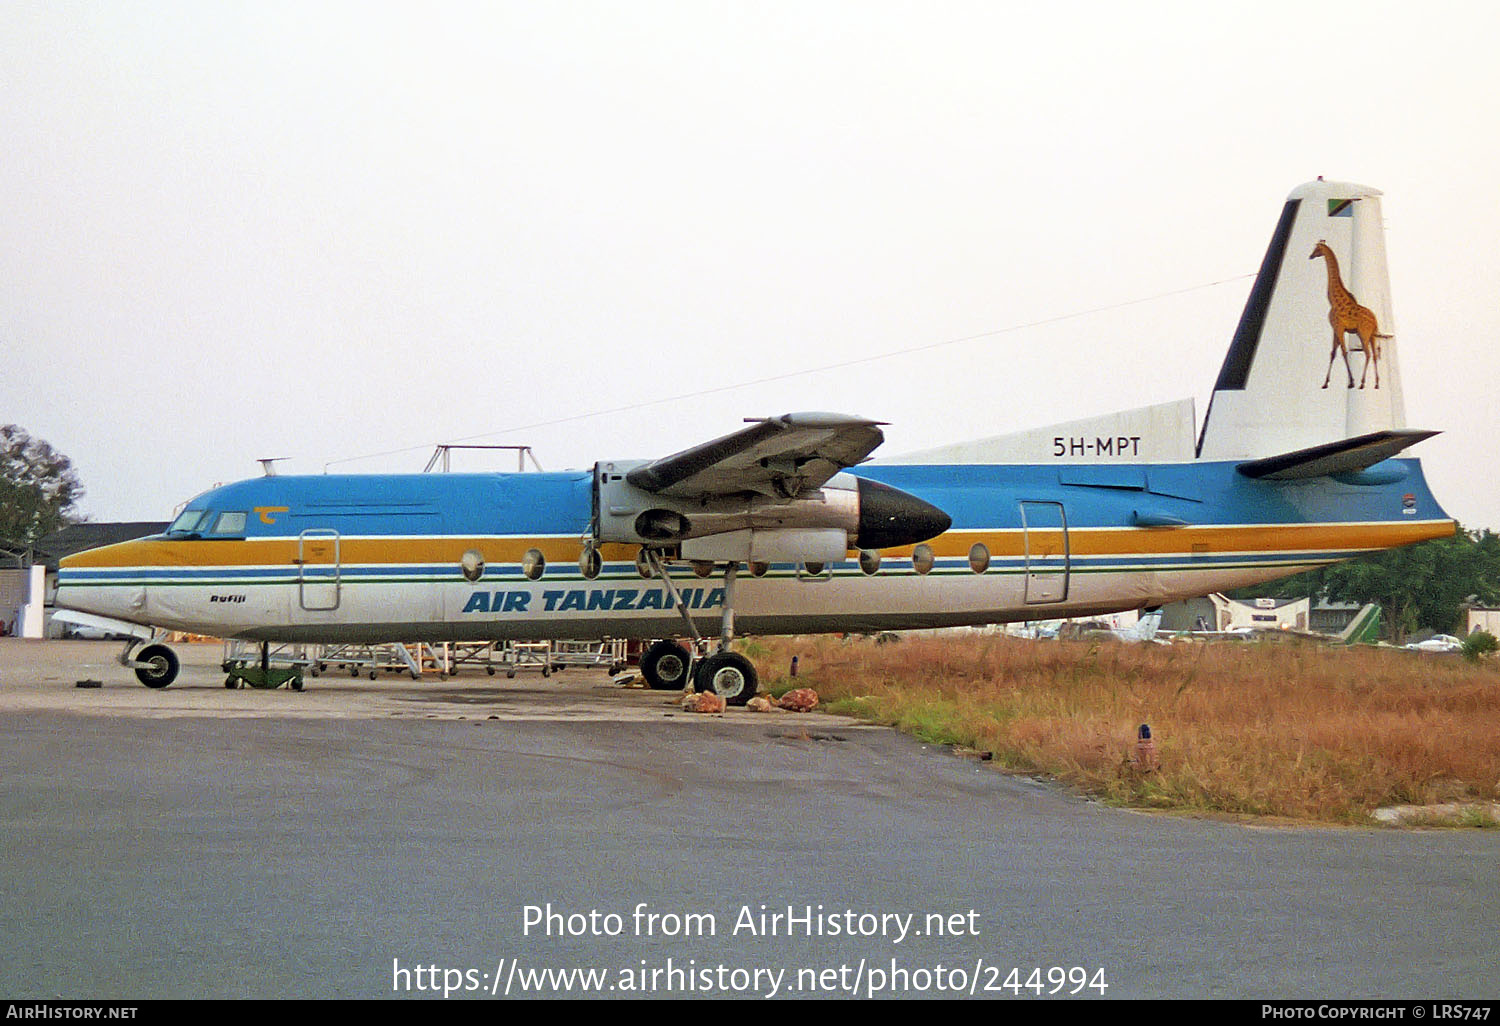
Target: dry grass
1292,729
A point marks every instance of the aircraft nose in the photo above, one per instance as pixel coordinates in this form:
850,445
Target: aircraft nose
889,517
88,582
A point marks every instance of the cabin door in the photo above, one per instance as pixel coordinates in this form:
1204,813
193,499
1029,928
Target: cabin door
318,568
1045,528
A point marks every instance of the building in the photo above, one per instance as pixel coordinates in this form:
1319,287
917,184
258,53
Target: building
1481,618
1221,613
28,573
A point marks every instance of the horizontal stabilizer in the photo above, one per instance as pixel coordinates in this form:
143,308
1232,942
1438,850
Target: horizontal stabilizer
1341,457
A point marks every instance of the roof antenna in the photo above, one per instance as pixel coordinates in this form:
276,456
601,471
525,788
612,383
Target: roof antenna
268,466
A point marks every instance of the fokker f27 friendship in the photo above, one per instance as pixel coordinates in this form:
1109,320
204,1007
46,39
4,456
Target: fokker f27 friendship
769,530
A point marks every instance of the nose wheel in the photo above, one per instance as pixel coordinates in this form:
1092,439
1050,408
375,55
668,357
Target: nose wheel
156,666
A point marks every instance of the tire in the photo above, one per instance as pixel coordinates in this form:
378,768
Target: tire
665,666
729,675
162,669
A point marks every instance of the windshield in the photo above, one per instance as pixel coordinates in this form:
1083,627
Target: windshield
190,522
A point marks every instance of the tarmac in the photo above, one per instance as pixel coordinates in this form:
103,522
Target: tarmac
483,837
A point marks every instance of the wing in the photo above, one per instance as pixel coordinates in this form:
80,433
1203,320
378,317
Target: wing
781,457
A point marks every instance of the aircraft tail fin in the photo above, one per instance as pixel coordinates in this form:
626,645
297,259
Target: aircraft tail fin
1364,628
1146,627
1315,355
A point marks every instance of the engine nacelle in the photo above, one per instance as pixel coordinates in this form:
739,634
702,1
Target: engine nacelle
775,545
867,514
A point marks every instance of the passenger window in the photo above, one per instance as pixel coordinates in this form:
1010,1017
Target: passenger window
533,564
869,560
979,558
922,558
230,523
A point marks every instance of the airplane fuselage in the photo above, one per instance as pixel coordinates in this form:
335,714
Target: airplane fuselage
463,557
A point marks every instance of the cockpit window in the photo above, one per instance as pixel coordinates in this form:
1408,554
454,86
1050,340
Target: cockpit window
230,523
190,521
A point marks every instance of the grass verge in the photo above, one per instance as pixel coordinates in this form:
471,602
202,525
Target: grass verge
1295,730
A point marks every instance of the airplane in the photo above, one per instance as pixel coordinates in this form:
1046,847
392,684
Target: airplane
771,529
1142,630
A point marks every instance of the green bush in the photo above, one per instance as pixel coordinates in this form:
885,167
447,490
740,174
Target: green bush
1479,643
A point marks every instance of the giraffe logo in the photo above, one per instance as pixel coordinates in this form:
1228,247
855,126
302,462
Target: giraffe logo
1346,317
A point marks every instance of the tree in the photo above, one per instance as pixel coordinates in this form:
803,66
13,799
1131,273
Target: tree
1416,586
38,487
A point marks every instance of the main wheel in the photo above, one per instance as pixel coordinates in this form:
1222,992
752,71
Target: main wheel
729,675
160,667
665,666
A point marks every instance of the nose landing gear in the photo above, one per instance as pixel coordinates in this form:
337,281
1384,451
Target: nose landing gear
155,666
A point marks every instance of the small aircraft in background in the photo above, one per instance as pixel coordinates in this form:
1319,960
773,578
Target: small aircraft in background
772,530
1437,643
1142,630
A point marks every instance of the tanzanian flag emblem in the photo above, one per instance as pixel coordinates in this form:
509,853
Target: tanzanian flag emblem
1341,208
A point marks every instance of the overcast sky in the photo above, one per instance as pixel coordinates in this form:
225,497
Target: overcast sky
326,231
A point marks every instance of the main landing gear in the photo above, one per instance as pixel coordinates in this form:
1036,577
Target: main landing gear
729,675
667,665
